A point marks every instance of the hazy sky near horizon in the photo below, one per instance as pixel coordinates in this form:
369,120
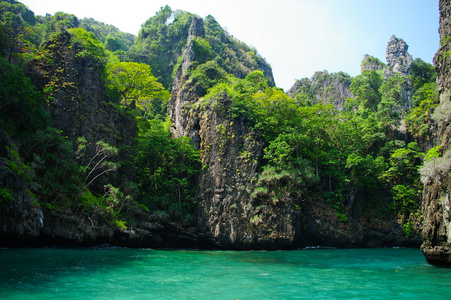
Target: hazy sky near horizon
297,37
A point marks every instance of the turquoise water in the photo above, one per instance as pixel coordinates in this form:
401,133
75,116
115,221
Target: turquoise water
120,273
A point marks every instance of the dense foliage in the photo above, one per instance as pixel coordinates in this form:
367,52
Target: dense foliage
161,41
62,173
166,171
312,149
25,32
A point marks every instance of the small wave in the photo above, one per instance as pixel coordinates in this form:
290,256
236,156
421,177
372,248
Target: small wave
317,247
105,247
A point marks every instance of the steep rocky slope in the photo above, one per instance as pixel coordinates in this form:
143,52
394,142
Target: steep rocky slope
162,39
20,218
78,107
436,173
232,213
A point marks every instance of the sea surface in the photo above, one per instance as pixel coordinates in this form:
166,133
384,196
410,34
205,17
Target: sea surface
121,273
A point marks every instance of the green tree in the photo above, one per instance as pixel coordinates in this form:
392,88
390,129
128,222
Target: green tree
167,170
134,81
365,88
22,107
419,118
14,33
98,165
403,176
422,73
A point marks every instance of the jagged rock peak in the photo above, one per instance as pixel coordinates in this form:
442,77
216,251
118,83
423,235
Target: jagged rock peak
371,63
398,59
197,28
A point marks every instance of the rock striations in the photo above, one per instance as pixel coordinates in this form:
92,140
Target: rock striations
436,174
231,213
79,107
398,59
399,63
225,212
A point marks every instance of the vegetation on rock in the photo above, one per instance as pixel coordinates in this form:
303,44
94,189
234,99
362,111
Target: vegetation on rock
86,109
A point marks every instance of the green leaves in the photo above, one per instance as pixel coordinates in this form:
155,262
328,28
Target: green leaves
208,75
22,107
202,49
91,47
134,81
167,169
365,88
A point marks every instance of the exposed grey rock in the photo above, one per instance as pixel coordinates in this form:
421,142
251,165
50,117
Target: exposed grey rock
399,62
79,105
184,94
196,28
436,204
230,213
398,59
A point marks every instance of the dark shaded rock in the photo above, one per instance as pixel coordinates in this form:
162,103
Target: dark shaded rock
436,175
232,214
79,105
20,216
63,228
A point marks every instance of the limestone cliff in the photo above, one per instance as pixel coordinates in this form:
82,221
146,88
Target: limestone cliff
232,213
399,62
230,154
325,87
398,59
79,105
436,173
20,217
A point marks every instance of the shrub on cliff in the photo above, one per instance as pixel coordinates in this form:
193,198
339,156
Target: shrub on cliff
166,171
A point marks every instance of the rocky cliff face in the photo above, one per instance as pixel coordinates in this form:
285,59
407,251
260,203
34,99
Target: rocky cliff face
183,94
20,217
232,213
399,61
436,174
230,154
325,87
79,105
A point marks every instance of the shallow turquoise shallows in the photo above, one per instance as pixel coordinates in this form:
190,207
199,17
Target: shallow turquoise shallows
158,274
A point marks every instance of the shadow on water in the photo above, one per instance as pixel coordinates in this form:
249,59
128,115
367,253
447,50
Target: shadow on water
21,268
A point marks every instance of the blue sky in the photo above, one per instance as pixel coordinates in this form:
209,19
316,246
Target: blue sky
297,37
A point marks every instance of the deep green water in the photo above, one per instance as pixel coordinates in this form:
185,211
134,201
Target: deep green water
157,274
